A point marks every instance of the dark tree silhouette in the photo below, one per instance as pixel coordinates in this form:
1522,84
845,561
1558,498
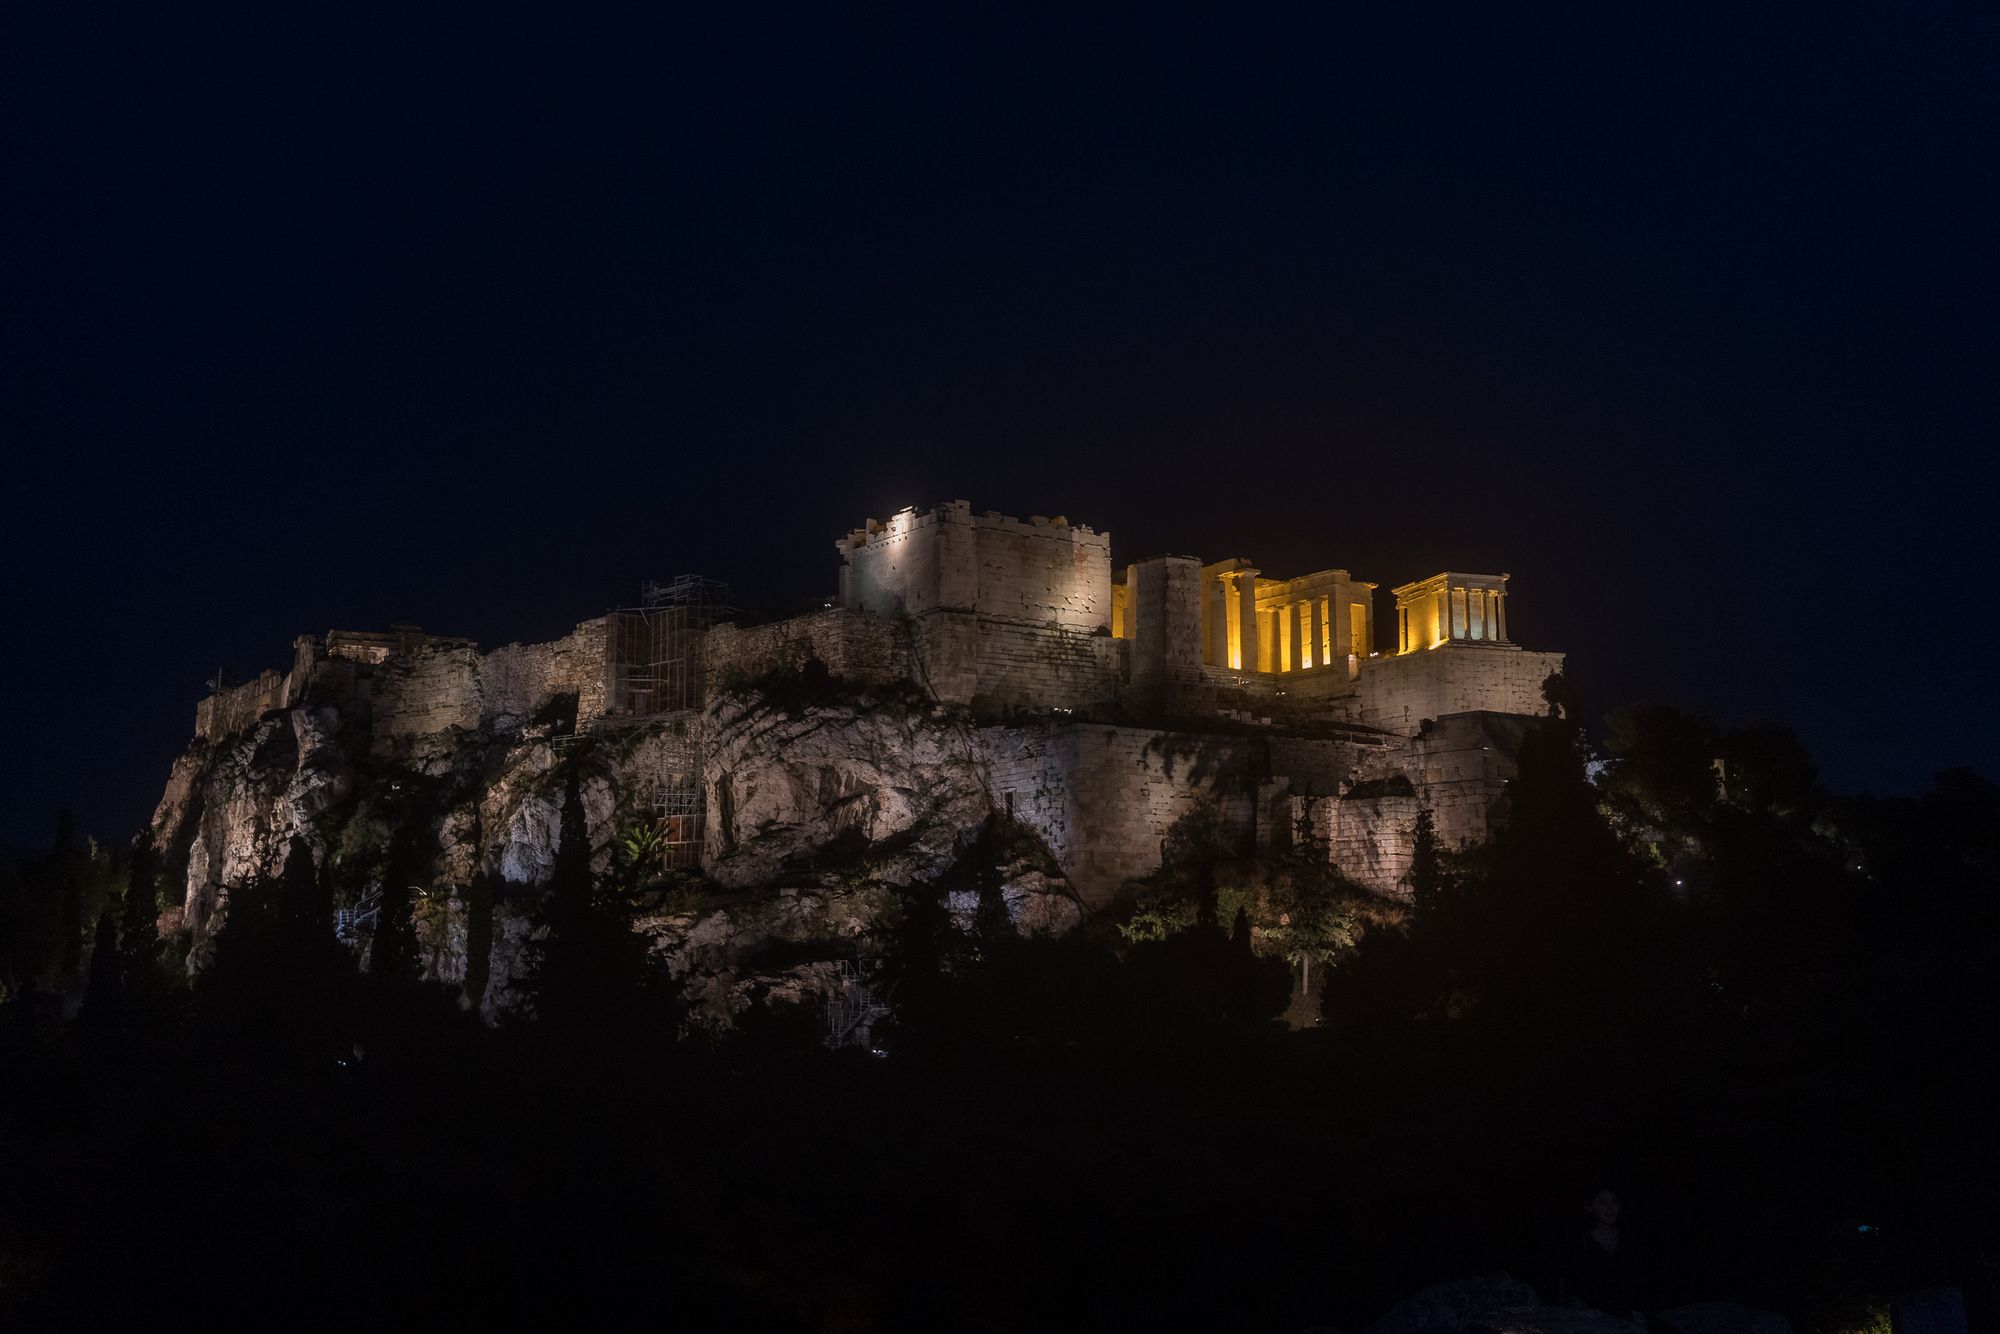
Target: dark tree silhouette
590,977
1663,763
139,935
104,994
280,983
1430,884
393,951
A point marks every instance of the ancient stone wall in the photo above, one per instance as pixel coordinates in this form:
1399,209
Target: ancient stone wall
1370,835
235,708
1165,612
856,646
438,687
1035,572
422,693
1103,797
1398,693
1458,766
1002,667
517,680
576,665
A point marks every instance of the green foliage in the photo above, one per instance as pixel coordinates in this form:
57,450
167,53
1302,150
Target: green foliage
640,850
591,980
139,940
1767,769
1663,762
686,893
1156,915
1186,890
1430,883
393,951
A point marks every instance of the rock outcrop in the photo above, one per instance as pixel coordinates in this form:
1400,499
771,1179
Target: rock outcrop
824,803
879,777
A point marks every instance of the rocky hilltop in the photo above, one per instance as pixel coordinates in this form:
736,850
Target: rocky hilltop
823,798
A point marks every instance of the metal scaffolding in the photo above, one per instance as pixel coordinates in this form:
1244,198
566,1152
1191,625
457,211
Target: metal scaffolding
853,1011
679,805
656,651
659,672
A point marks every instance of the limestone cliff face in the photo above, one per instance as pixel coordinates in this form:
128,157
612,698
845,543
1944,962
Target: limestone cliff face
898,783
232,808
493,805
818,811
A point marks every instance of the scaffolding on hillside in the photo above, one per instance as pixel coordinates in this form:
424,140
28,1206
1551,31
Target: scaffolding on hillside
678,803
659,674
657,660
853,1011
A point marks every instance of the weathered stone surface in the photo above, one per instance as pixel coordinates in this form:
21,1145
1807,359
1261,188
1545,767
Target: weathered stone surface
719,954
1037,904
235,808
894,781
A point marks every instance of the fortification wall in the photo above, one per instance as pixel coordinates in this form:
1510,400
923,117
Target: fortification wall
1103,797
1035,572
855,646
1369,834
235,708
515,681
996,667
438,687
1164,608
1003,667
425,692
1327,765
1458,767
1398,693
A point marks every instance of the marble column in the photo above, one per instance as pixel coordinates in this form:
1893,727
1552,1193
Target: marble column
1246,619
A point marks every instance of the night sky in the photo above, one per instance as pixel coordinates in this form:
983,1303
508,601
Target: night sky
318,315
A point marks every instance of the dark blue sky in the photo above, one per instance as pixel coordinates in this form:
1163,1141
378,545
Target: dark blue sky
319,315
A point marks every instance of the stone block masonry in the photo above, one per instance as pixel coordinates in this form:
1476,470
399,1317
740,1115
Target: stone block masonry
1038,572
235,708
1398,693
1457,766
856,646
401,686
1103,798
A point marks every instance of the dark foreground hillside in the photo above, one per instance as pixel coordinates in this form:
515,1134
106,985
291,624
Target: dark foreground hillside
1762,1016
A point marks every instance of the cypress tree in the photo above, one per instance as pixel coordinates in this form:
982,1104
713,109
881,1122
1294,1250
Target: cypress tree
139,938
1429,884
106,989
991,926
591,975
394,953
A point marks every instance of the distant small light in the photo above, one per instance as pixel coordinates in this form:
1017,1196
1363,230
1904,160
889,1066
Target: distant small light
1677,884
1865,1227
